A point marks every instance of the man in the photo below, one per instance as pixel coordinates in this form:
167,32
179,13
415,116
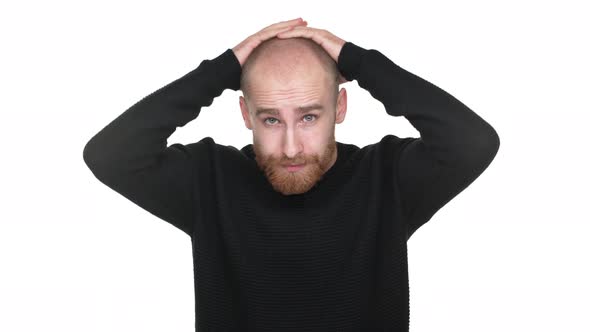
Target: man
281,76
315,247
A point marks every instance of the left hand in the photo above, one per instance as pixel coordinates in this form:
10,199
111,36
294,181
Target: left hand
329,42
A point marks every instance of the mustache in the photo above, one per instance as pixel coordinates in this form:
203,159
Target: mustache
294,163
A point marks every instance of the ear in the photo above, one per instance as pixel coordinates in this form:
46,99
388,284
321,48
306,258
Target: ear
341,106
245,113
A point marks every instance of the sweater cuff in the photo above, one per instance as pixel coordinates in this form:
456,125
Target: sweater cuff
229,69
349,60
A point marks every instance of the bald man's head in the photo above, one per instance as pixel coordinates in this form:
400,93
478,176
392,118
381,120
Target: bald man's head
292,104
283,59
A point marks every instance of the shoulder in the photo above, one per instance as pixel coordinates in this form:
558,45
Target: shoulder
212,156
389,145
208,147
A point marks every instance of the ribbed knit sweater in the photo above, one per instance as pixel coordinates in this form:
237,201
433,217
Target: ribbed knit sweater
331,259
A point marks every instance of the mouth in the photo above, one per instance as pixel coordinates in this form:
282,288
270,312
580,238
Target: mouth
294,167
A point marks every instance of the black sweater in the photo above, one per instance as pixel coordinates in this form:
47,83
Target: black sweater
331,259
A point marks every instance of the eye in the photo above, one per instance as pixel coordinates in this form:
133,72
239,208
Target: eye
274,119
268,119
310,115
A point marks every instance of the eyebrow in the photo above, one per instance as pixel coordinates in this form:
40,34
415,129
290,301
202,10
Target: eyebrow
300,109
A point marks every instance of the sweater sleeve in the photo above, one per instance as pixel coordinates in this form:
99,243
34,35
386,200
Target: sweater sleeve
455,144
130,155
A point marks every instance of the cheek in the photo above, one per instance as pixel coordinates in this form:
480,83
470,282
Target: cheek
266,145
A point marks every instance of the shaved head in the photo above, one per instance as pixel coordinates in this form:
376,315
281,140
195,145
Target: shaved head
292,104
283,59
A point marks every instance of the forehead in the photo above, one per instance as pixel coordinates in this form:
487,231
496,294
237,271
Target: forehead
299,110
295,91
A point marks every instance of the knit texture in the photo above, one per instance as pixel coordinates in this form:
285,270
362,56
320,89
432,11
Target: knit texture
331,259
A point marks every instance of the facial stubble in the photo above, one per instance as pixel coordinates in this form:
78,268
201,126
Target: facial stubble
298,182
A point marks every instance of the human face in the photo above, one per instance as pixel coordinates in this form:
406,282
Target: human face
293,123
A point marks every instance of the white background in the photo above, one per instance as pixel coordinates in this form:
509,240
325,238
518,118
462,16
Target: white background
509,253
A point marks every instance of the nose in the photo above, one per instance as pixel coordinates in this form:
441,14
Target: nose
292,144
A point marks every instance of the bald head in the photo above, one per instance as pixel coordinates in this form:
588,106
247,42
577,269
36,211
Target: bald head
283,59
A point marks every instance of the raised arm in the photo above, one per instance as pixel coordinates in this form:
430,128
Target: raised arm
130,155
455,144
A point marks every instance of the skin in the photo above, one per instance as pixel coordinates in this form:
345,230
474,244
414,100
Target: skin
285,76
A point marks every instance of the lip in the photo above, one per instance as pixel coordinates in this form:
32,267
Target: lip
293,168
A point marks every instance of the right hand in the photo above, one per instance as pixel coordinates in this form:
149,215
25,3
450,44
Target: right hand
243,49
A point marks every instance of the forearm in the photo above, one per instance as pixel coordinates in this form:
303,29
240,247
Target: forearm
452,132
134,139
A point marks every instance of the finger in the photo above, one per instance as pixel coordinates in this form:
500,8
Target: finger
290,21
279,28
285,23
300,31
267,34
292,25
304,31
